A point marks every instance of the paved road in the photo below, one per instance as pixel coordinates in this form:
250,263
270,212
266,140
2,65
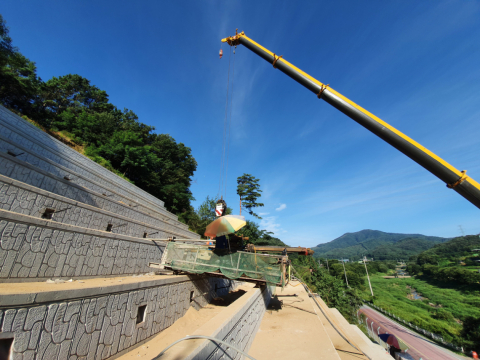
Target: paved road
419,347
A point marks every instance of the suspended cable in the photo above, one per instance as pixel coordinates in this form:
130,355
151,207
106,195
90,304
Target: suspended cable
230,121
222,162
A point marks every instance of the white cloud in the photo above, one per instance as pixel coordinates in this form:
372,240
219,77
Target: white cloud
269,224
263,214
281,207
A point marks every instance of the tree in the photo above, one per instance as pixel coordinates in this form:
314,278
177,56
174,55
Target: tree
74,92
113,138
248,189
6,47
471,331
19,83
257,236
331,289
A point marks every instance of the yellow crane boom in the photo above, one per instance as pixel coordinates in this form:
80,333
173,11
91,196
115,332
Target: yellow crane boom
455,179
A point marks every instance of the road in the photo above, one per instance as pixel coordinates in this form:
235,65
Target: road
419,347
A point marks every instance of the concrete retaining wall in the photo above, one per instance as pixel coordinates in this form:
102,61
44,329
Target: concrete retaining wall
118,194
36,248
239,329
16,169
97,230
101,326
25,199
28,136
114,193
236,325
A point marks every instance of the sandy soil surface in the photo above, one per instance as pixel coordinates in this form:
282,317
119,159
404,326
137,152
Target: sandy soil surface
292,330
186,325
30,287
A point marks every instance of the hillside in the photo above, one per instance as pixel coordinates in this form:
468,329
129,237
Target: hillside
402,249
455,248
374,243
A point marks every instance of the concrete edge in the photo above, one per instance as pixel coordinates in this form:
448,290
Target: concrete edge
223,322
50,195
131,193
23,299
69,183
366,347
49,224
365,337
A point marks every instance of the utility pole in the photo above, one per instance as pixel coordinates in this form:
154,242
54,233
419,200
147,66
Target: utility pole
328,267
343,262
368,277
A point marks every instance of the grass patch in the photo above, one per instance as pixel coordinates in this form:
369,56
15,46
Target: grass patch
441,312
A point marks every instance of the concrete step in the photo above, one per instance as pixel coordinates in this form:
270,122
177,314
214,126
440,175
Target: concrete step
116,192
110,189
27,135
32,248
18,170
16,196
96,318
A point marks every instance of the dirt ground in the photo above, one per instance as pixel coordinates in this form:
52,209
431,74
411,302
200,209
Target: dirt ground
291,329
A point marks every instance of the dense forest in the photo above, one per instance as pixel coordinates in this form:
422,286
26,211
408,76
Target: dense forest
455,261
376,244
453,250
77,112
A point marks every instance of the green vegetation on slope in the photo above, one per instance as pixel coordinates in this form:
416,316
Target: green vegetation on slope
403,249
71,107
441,310
453,250
446,262
331,289
376,244
449,303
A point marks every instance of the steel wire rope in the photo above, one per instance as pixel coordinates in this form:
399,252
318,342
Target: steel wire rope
326,317
222,162
230,120
211,338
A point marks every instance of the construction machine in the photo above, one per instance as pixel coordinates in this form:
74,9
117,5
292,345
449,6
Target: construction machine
455,179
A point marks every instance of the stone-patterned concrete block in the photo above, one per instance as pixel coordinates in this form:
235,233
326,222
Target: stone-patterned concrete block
80,208
95,328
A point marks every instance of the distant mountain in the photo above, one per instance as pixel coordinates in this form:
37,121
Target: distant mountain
377,244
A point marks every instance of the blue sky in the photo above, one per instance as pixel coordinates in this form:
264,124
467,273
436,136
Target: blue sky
414,64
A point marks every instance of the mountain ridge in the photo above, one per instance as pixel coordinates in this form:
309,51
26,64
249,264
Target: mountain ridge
366,242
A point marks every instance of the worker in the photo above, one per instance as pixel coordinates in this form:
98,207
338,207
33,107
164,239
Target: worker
221,243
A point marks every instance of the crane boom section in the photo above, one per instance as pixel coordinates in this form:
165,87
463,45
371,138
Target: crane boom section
455,179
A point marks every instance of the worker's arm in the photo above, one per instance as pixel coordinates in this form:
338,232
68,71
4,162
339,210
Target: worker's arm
455,179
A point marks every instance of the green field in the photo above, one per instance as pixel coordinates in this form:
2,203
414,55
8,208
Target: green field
441,311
